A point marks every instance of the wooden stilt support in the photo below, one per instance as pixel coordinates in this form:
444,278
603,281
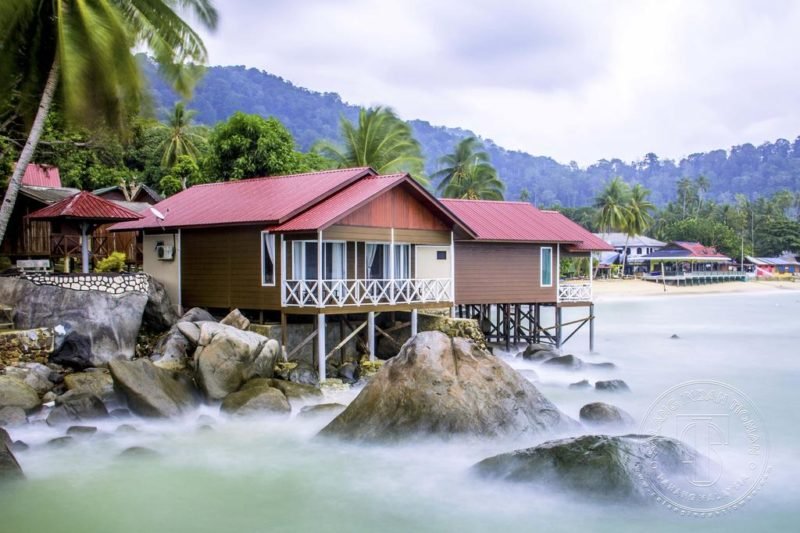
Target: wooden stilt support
591,328
346,340
558,327
302,343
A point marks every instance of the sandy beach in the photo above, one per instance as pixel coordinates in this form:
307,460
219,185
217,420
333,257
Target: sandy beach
607,290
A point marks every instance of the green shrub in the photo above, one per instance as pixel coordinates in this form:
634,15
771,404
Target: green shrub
113,263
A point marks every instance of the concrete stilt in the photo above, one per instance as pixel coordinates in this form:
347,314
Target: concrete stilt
414,325
371,335
591,328
321,346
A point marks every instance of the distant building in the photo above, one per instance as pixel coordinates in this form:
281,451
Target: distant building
635,247
769,266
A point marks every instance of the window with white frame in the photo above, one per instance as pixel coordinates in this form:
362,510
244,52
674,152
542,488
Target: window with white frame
546,266
378,261
304,260
267,259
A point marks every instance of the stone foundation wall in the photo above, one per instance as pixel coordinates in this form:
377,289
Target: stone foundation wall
108,283
24,346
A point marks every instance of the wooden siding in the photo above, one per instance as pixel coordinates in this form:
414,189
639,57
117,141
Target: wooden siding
221,267
396,208
489,273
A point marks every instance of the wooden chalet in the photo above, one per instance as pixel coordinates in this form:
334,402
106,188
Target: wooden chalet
510,271
40,239
681,262
325,243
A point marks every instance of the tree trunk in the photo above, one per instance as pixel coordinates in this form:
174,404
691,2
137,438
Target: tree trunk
27,151
625,255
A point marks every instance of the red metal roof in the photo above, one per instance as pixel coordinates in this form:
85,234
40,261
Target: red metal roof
697,249
41,176
334,208
258,200
521,222
85,206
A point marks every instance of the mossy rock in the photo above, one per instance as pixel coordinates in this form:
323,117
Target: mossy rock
256,399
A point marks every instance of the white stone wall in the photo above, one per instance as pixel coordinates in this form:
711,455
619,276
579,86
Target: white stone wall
108,283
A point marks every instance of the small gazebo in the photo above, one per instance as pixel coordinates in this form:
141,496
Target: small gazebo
88,211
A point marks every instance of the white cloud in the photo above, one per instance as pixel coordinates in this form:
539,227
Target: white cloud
575,81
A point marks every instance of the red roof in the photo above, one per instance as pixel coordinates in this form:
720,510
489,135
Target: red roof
697,249
258,200
85,206
41,176
521,222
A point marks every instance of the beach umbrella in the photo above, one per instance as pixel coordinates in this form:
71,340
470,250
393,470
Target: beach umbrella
87,210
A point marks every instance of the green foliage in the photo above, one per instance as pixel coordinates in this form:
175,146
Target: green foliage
467,173
707,232
182,175
612,205
115,262
777,236
248,146
169,185
183,140
379,140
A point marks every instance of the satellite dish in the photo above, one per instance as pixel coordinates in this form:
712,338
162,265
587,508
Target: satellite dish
158,214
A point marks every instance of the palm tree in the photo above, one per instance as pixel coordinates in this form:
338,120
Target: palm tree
639,217
380,140
86,49
612,204
479,183
182,139
459,164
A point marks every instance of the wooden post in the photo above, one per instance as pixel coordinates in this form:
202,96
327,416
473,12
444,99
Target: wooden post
414,325
371,335
321,345
591,328
341,336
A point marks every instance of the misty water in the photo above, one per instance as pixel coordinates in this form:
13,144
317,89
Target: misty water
272,475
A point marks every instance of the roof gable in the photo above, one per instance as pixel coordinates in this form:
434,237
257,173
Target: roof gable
85,206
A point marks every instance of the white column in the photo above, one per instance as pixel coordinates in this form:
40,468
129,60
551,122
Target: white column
391,267
179,259
414,325
319,268
283,272
321,345
452,268
557,271
371,335
85,247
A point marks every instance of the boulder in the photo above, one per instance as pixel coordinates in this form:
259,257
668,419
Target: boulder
567,362
257,399
190,331
12,416
293,391
349,372
197,314
225,358
303,374
172,349
34,374
152,391
264,364
74,351
138,452
600,467
612,385
320,409
159,313
81,431
76,407
444,387
603,414
9,467
17,393
60,442
97,382
582,384
110,323
236,319
539,352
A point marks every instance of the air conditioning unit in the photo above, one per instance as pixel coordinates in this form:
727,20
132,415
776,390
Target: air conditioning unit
165,252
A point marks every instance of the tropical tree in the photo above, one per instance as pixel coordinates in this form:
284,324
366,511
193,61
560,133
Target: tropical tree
459,164
612,208
182,140
380,140
85,49
479,183
639,216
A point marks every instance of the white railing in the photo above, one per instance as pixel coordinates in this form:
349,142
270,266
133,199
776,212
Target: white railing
365,292
572,291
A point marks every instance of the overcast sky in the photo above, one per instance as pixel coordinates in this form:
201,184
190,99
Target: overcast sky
574,80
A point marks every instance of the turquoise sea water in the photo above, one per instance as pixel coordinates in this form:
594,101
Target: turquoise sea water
272,475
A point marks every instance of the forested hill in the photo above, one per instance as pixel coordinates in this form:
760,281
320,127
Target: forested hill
748,169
